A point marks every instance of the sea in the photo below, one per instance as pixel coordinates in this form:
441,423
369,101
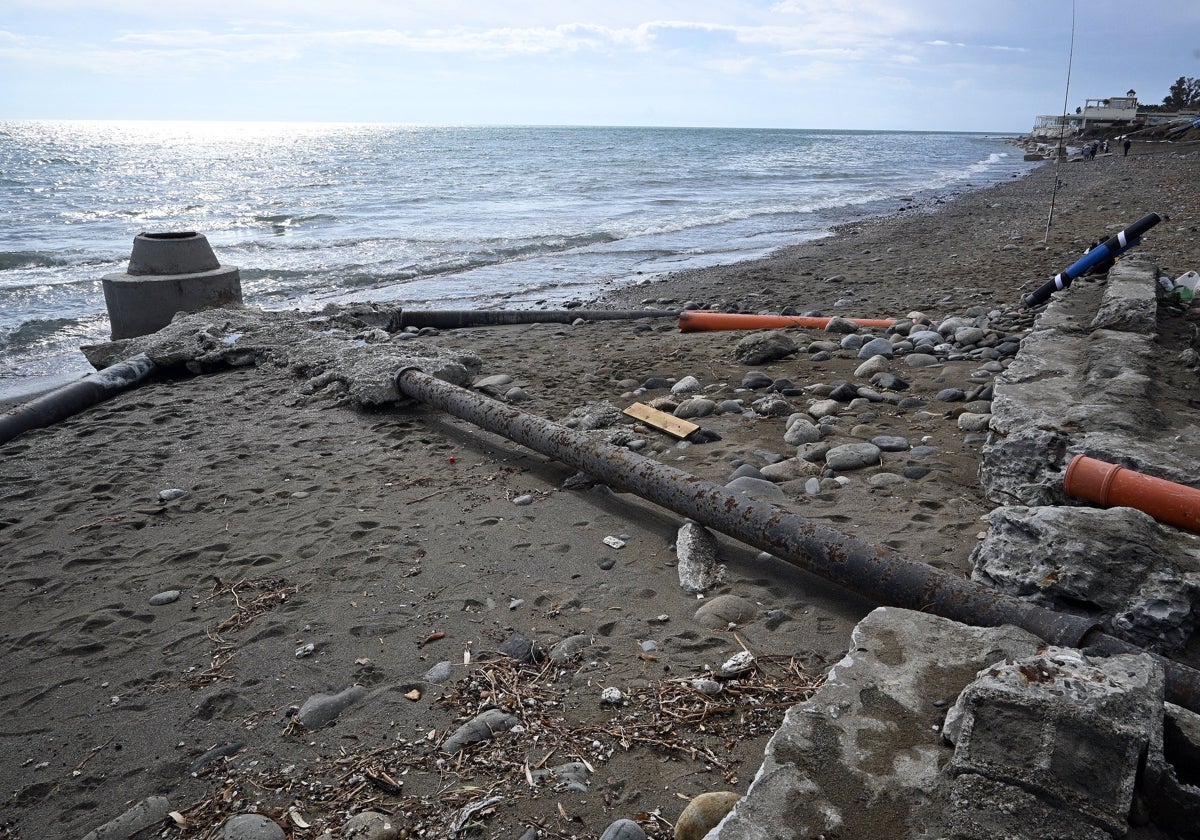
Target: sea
453,217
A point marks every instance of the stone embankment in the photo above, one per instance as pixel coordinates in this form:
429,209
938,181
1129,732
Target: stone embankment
953,731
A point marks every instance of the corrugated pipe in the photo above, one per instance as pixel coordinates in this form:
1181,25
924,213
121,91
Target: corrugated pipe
71,399
449,319
873,571
701,320
1112,485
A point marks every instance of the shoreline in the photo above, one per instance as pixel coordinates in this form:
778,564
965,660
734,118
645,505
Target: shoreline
396,539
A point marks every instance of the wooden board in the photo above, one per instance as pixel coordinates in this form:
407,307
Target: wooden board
662,421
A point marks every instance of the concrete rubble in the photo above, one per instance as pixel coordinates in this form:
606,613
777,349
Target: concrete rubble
932,729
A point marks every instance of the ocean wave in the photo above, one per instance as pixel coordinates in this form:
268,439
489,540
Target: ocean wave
30,259
35,332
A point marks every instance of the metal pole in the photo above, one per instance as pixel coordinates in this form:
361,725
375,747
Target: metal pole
876,572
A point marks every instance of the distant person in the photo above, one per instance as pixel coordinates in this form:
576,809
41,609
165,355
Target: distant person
1105,147
1126,146
1087,151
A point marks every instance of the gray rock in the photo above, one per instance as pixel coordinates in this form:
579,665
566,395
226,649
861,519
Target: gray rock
837,324
969,422
920,360
483,727
824,408
885,479
686,385
322,709
969,335
251,827
521,648
757,488
876,347
925,338
720,612
762,347
439,673
800,432
624,830
789,469
370,825
756,380
570,647
146,813
852,456
1139,576
698,558
170,596
773,405
871,367
695,407
891,443
889,381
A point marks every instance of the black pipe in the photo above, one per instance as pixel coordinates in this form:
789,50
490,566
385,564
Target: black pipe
877,572
449,319
1107,250
73,398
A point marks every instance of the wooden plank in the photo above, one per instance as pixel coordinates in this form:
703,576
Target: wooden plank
662,421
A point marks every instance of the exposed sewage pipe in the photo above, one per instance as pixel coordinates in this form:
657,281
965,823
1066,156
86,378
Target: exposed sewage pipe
1111,485
876,572
1109,249
701,320
73,398
449,319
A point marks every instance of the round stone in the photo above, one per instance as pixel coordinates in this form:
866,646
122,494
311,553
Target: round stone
852,456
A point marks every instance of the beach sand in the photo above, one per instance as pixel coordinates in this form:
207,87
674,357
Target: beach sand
393,540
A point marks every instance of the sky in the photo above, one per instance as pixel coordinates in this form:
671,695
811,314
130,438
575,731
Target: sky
922,65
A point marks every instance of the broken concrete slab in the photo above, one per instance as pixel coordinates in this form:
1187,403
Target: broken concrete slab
861,756
1137,576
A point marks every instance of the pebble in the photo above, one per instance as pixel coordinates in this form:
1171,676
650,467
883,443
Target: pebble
171,494
951,395
876,347
871,367
885,479
370,825
824,408
521,648
482,727
852,456
789,469
800,432
739,663
439,673
322,709
969,422
891,443
707,686
914,473
685,385
523,500
611,696
720,612
251,827
920,360
813,486
695,407
703,813
755,380
570,647
170,596
624,830
757,488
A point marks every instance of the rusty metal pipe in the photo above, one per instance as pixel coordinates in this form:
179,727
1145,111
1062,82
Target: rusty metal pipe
450,319
877,572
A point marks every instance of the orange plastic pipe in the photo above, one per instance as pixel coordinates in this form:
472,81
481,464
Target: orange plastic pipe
695,320
1115,486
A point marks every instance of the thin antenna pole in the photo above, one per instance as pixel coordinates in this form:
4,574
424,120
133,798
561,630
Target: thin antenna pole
1060,148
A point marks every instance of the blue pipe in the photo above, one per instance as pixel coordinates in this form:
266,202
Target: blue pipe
1110,249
